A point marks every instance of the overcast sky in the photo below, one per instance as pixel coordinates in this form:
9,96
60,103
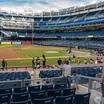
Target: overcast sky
43,5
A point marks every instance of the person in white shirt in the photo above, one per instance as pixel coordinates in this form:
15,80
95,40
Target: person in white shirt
67,69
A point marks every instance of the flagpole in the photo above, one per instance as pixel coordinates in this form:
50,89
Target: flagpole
32,30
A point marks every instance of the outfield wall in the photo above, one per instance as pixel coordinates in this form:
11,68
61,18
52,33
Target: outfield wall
15,43
6,43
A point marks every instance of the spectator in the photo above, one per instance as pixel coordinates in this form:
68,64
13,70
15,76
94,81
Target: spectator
78,60
66,69
38,62
33,63
97,61
101,60
59,61
4,64
85,61
69,59
65,61
74,56
44,61
102,84
91,61
75,80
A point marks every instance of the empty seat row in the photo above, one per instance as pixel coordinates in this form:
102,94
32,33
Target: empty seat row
88,71
24,98
32,89
4,76
50,73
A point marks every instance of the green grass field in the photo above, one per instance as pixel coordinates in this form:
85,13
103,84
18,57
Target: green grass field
29,51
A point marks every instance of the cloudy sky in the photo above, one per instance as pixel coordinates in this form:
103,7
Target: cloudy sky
42,5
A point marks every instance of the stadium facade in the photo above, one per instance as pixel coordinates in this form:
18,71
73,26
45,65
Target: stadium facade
70,23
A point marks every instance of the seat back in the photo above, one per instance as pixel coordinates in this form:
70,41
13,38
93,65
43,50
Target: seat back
54,92
47,87
20,90
33,88
60,86
21,102
48,100
38,94
68,91
64,99
5,91
5,98
82,98
20,97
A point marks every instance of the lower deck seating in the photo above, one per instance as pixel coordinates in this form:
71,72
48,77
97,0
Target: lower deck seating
50,73
4,76
92,71
27,95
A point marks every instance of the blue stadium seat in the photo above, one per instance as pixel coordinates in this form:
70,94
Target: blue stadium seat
48,100
38,94
5,98
54,92
68,91
23,97
33,88
20,90
5,91
82,98
60,86
15,76
64,99
47,87
21,102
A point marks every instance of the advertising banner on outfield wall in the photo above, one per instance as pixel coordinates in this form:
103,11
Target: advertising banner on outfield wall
16,43
6,43
26,43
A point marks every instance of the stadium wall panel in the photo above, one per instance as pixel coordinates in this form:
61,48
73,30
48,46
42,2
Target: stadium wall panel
16,43
6,43
26,43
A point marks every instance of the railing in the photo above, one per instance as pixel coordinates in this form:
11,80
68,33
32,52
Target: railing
75,65
92,83
93,86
